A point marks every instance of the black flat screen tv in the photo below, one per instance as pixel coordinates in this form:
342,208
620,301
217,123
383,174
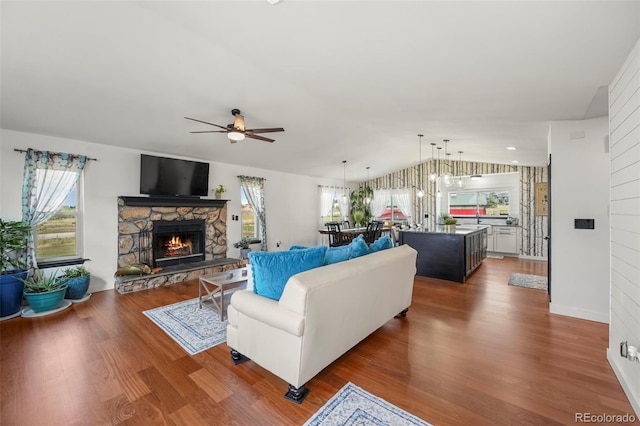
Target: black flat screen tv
171,176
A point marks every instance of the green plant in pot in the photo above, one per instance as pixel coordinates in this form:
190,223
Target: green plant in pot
13,243
243,245
77,280
450,224
360,200
44,293
220,190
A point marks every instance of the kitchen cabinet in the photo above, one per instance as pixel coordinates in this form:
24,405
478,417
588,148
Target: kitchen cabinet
505,239
449,256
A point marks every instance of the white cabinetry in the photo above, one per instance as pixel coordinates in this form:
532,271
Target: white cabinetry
505,239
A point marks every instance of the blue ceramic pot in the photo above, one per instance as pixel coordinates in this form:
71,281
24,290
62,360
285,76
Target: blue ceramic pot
76,287
46,301
11,293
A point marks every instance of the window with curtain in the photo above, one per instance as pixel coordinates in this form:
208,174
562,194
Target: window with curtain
250,224
391,205
51,204
330,204
253,191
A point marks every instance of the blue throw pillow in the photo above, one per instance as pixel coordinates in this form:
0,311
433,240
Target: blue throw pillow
381,243
337,254
294,247
359,247
271,270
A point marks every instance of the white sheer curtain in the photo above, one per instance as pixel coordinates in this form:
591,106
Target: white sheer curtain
403,201
254,191
381,198
343,202
326,195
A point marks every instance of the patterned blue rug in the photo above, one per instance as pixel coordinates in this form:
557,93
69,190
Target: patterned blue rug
355,406
530,281
192,328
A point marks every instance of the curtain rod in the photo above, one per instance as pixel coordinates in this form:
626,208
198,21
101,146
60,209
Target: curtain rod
24,150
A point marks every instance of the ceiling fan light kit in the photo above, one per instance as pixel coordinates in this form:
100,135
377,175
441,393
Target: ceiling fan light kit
236,131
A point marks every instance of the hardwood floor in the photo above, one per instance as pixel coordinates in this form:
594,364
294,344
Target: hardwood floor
480,353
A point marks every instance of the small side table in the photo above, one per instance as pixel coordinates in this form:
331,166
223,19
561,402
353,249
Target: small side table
215,285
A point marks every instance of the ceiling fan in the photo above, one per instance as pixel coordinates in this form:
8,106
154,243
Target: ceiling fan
236,131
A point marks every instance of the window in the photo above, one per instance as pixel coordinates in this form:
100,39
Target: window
486,203
59,237
250,225
392,205
333,214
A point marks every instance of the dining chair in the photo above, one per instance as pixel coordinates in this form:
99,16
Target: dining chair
336,237
373,232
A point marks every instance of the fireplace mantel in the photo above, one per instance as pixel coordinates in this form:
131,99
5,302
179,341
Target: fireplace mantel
156,201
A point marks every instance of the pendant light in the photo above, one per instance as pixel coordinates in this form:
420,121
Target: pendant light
460,181
446,176
420,192
367,199
433,175
344,182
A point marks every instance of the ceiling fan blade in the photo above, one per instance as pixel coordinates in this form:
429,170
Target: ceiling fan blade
206,122
262,138
211,131
268,130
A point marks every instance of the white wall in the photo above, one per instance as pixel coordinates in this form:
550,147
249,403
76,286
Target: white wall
291,201
580,190
624,126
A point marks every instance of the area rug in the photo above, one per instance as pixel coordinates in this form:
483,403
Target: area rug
355,406
192,328
530,281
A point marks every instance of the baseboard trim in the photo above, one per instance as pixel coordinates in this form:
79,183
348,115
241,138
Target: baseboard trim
612,356
527,257
570,311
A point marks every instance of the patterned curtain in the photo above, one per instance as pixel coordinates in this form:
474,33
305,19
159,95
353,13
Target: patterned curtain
49,177
254,190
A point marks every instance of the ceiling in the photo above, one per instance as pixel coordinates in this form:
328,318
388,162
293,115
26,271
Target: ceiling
353,81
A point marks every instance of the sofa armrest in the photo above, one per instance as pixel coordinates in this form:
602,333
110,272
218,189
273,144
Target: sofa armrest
267,311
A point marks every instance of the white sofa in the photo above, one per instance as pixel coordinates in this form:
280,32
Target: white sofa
322,313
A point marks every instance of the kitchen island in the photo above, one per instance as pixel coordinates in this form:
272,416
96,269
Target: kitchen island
449,256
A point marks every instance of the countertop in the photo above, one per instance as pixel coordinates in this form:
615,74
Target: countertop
460,230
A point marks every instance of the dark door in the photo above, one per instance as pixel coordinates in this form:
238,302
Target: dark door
548,237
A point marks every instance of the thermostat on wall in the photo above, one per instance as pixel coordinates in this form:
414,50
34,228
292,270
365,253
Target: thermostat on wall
584,223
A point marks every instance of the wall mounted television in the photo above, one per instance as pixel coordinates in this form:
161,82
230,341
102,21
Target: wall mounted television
171,176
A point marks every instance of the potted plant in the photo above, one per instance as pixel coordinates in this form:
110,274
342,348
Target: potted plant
77,280
44,293
220,190
450,224
243,245
13,241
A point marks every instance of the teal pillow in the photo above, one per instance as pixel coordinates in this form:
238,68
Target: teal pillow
381,243
294,247
337,254
271,270
359,247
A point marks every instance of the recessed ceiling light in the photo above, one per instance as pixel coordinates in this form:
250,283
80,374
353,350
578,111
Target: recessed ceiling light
511,148
515,161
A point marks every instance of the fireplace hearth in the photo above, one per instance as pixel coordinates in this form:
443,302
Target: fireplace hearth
177,242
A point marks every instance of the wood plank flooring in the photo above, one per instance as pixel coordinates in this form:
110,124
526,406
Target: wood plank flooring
480,353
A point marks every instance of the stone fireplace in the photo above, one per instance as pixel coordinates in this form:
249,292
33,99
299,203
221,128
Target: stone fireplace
186,237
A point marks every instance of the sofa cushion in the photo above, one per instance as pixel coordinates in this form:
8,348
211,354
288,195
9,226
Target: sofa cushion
381,243
337,254
271,270
358,247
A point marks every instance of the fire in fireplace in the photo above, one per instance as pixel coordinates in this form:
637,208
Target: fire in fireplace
177,242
